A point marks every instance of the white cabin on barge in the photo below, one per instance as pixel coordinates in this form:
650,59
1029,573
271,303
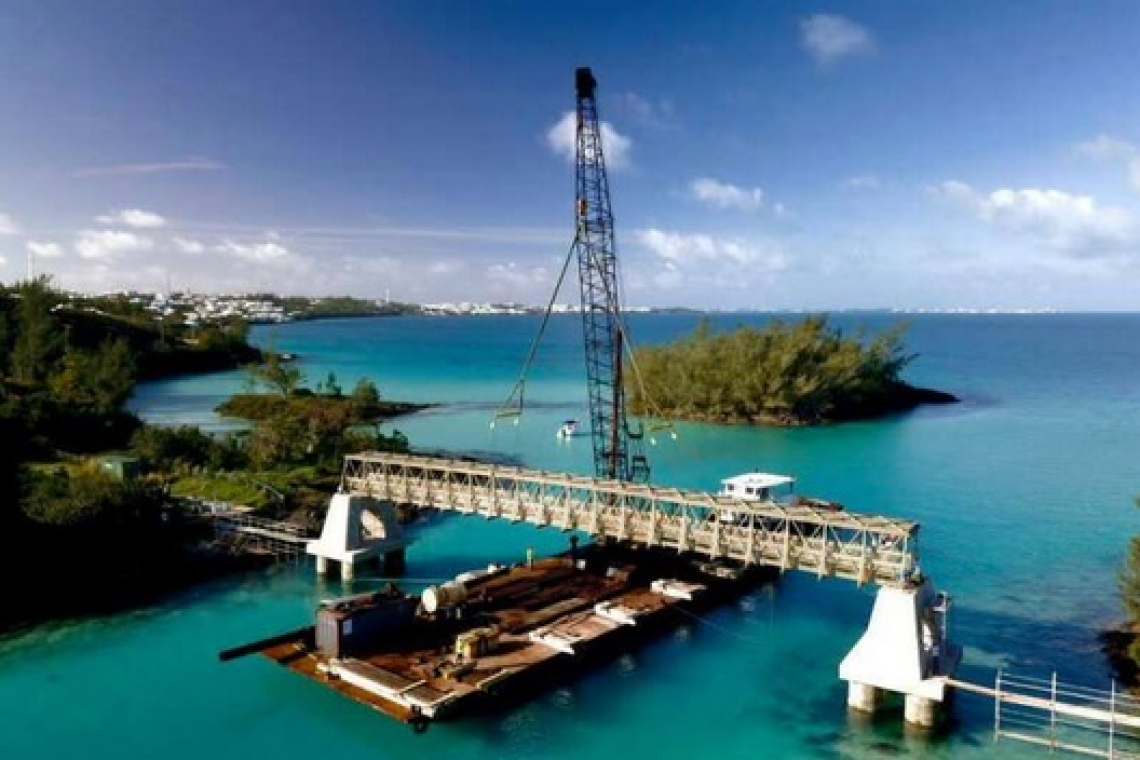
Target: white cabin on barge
759,486
779,490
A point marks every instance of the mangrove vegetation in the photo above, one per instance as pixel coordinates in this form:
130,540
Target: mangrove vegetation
94,497
785,374
1121,643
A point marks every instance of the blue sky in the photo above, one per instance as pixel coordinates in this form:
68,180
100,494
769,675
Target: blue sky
857,154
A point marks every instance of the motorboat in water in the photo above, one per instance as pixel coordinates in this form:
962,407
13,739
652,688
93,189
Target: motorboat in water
569,428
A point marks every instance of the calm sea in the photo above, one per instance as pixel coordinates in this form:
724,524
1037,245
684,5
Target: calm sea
1025,493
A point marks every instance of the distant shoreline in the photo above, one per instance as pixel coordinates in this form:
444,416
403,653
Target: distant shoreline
681,311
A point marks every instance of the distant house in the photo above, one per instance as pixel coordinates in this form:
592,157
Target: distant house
120,466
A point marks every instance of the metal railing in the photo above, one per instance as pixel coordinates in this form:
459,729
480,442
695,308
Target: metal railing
246,532
1077,719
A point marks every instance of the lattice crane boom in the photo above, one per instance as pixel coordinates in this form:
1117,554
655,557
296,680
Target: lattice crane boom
618,450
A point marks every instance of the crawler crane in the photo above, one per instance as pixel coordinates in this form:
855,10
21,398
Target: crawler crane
618,449
619,452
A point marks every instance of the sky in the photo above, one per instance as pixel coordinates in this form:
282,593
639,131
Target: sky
791,154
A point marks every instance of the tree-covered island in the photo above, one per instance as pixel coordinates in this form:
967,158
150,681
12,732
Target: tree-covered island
785,374
90,496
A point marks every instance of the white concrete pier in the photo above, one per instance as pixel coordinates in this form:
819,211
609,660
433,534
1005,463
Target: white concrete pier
359,530
905,651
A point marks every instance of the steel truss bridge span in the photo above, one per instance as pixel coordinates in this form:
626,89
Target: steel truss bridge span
823,542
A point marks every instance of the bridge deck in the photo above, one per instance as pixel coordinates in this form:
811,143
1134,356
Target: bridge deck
825,542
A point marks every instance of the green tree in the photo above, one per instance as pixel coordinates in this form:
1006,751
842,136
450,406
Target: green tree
1129,583
331,387
278,439
10,517
39,337
67,383
277,374
7,336
1130,579
101,379
803,373
364,396
113,374
356,441
89,498
172,449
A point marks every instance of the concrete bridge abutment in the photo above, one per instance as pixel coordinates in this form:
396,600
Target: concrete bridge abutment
904,651
359,532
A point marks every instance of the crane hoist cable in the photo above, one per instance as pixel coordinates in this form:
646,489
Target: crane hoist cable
512,407
652,409
660,424
616,445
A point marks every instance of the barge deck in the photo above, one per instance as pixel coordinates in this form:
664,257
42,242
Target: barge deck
496,632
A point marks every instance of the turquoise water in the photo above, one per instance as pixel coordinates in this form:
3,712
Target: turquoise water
1024,491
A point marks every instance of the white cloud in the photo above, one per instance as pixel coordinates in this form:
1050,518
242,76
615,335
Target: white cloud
444,267
133,217
668,277
1107,148
954,191
188,246
862,182
682,250
723,195
108,244
563,140
1072,224
268,252
654,114
189,165
1103,146
828,38
45,250
7,226
516,276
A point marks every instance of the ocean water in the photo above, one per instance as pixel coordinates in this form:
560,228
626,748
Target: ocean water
1024,490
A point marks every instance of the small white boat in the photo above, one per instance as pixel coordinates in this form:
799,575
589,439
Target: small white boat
568,429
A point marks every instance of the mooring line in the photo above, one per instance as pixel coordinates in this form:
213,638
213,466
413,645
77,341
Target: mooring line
726,631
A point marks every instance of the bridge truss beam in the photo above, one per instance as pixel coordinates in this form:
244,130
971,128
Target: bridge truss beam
822,542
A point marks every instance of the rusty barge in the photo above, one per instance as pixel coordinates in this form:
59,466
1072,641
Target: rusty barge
498,632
